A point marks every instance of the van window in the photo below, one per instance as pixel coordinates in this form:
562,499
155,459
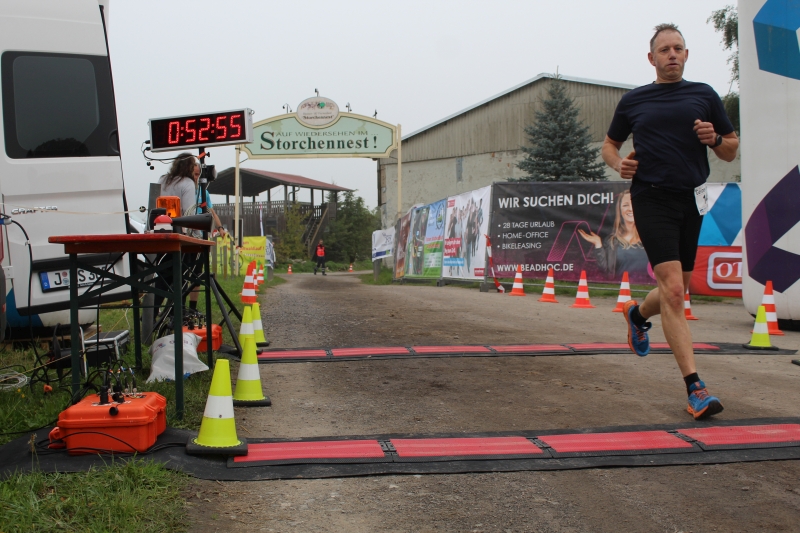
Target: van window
58,105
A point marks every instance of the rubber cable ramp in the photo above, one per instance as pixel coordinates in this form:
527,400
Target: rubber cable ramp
706,442
286,355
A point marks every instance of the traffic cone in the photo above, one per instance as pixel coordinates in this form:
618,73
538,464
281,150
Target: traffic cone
260,273
582,298
248,290
246,329
255,276
760,338
624,293
258,327
769,306
290,270
687,306
248,391
549,292
517,289
217,434
351,267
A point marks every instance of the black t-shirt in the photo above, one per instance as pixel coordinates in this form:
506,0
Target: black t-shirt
661,117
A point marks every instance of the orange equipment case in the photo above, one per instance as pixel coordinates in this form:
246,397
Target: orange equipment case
216,337
131,426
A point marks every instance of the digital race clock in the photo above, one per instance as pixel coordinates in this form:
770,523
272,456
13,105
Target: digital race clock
206,130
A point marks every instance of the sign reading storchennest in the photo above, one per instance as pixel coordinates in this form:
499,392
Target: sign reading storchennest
318,129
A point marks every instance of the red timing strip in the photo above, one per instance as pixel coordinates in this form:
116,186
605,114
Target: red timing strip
451,349
599,346
606,442
721,436
352,352
531,348
459,447
695,345
282,451
290,354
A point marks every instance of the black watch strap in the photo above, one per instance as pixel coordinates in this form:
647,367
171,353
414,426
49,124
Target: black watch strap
719,141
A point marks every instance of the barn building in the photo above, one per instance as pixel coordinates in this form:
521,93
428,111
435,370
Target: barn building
481,144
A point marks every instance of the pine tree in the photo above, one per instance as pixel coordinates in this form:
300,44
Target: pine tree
559,142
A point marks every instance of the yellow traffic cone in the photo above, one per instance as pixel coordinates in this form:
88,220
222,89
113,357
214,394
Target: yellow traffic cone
760,338
258,327
217,434
246,329
248,384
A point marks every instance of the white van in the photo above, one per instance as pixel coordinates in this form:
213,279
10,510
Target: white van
60,170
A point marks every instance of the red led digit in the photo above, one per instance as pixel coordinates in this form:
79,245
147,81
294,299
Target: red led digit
237,127
192,129
204,129
174,132
221,127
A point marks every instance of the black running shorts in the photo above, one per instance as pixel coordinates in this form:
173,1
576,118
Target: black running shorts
668,224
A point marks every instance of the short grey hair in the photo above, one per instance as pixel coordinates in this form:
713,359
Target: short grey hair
664,27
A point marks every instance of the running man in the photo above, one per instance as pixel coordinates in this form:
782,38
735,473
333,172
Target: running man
674,122
319,256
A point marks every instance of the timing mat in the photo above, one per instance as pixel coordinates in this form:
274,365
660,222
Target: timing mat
706,442
286,355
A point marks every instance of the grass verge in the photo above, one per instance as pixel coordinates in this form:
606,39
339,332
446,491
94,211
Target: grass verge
118,497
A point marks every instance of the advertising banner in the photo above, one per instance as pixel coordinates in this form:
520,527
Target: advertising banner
569,227
253,249
770,113
382,243
718,264
426,241
400,242
467,216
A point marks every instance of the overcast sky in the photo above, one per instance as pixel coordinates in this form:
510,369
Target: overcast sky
413,61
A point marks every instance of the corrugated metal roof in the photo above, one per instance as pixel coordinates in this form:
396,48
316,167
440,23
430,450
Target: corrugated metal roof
254,182
516,87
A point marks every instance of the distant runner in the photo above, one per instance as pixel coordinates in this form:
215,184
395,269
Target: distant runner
319,255
673,122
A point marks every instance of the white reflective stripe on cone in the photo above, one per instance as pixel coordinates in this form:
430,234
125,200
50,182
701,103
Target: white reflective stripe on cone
548,290
582,294
249,372
219,407
768,299
247,329
761,327
257,325
772,316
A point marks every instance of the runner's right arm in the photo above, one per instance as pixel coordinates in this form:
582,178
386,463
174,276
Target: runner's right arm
625,167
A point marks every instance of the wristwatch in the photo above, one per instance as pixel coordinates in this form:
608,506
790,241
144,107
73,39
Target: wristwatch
719,141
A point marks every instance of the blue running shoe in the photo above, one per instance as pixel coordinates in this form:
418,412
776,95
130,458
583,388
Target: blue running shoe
637,335
701,403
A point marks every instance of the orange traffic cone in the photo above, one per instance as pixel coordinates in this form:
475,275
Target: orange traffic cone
260,274
687,306
249,291
624,293
351,267
517,289
769,306
582,298
290,270
255,275
549,292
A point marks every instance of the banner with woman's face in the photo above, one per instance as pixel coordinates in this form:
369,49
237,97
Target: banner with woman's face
569,227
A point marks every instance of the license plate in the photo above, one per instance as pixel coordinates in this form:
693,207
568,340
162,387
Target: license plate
59,279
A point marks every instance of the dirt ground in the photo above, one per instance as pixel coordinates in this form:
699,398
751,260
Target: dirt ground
470,394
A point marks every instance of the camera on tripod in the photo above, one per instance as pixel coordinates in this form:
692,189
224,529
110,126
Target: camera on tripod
208,173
